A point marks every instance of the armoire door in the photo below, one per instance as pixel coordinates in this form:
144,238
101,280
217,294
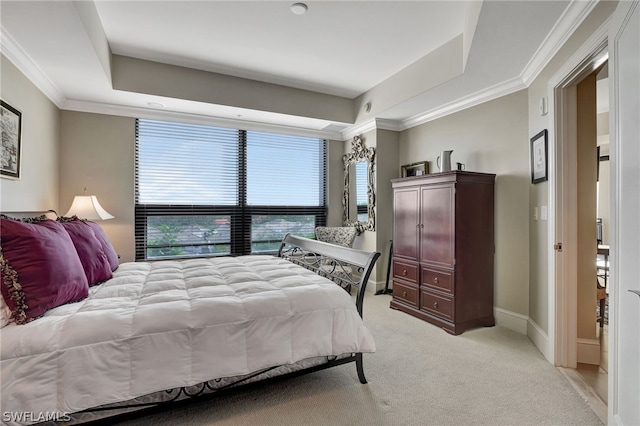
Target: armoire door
437,226
405,223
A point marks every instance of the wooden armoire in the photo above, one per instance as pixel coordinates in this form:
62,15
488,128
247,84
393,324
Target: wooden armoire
443,248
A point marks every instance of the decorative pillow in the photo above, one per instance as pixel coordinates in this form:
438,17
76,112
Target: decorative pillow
40,268
94,260
108,249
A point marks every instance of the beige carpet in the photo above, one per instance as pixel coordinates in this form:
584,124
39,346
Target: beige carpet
420,375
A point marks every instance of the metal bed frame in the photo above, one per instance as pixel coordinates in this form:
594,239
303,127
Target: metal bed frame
347,267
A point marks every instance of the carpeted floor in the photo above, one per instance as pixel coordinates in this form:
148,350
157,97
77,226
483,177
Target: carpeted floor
420,375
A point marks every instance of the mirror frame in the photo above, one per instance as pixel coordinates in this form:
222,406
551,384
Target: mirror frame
360,153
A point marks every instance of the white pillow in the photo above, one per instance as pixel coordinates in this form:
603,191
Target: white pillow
5,313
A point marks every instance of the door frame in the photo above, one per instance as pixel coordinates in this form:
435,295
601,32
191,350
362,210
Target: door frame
562,265
624,342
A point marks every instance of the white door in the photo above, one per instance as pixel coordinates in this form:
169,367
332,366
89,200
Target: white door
624,328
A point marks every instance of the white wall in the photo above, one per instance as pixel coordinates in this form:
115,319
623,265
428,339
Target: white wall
37,188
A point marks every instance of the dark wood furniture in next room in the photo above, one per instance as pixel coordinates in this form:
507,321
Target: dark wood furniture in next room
443,240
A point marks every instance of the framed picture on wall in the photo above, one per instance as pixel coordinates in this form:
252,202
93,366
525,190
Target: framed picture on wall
539,167
10,150
415,169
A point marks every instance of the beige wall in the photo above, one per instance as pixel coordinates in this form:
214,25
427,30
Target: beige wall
386,168
540,246
335,178
98,152
37,188
490,138
132,75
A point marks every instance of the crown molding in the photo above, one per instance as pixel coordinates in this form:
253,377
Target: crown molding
572,17
358,129
27,66
566,25
138,112
477,98
386,124
369,125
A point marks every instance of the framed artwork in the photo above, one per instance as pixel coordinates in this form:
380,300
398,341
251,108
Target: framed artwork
539,167
415,169
10,150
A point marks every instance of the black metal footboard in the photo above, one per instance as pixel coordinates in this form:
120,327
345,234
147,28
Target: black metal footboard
345,266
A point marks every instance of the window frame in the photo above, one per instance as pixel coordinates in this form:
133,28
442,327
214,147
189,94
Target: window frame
240,214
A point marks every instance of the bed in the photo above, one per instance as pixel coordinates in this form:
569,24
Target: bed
165,331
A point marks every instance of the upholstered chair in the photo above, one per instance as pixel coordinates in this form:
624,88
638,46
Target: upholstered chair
339,235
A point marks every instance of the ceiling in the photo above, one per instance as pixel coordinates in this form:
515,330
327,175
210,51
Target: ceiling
390,63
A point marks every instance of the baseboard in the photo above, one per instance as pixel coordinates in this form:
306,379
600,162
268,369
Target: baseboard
540,339
511,320
374,286
588,351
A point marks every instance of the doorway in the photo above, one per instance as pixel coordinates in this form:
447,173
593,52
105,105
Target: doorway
593,368
577,333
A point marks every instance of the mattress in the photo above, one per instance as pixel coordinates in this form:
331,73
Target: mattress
168,324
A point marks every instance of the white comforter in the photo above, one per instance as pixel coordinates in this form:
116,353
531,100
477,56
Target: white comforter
162,325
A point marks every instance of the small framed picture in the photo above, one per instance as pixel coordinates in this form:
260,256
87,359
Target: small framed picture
539,167
415,169
11,120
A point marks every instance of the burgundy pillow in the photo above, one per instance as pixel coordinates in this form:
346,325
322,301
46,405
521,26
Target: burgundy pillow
108,249
40,268
94,260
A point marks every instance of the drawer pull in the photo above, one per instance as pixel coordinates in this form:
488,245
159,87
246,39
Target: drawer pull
436,280
435,305
404,294
404,272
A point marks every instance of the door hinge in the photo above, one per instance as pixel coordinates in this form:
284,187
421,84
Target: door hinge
558,247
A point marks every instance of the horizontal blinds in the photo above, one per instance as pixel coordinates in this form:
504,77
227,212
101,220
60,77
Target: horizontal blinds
186,164
203,191
284,170
362,183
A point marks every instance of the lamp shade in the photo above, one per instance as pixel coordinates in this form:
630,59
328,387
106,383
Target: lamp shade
88,207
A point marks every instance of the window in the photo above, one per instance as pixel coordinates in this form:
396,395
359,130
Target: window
206,191
362,192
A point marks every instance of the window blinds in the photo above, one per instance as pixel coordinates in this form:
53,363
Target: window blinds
203,190
284,170
186,164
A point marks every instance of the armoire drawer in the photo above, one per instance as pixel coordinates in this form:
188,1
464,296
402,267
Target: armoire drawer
437,304
405,293
440,280
405,271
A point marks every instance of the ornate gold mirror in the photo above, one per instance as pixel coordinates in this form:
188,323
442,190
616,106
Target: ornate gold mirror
359,197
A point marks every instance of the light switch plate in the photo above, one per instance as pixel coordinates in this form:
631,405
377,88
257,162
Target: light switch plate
542,106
